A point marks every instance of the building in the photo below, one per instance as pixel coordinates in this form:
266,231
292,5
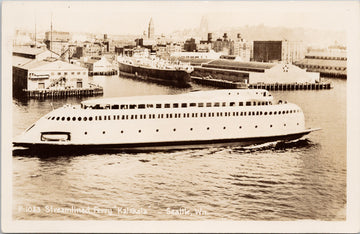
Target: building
190,45
275,51
99,66
57,36
204,27
254,72
57,42
223,45
172,48
33,70
127,50
151,29
242,49
292,51
23,38
89,49
327,63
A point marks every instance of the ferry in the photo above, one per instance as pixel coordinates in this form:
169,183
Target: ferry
237,117
155,69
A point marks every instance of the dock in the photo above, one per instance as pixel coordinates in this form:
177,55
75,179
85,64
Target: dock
218,83
273,86
46,93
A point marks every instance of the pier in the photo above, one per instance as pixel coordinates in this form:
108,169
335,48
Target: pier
218,83
273,86
64,93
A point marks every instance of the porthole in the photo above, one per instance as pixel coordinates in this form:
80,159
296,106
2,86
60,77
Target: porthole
74,118
191,129
208,128
103,132
79,118
256,126
224,128
265,113
284,125
157,130
122,131
270,125
90,118
174,129
62,118
297,123
85,133
68,118
240,127
53,118
139,131
85,118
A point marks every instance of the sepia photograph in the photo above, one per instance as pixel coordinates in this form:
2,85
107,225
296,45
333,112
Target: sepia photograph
224,116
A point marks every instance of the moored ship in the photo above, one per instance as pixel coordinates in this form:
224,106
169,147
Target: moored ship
236,117
154,69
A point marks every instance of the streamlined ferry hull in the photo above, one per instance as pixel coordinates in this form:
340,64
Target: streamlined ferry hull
161,146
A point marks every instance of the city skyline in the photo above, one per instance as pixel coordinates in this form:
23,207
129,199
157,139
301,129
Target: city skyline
132,18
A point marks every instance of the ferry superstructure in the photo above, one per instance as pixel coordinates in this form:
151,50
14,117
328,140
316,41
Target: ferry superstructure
240,117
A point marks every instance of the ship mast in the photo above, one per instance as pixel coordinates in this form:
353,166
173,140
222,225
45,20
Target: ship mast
51,26
35,31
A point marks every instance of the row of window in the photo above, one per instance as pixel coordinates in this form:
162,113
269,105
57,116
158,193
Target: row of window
325,57
173,115
65,73
175,105
323,67
191,129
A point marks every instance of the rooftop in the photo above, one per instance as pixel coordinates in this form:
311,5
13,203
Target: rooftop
197,96
320,62
341,54
236,65
50,65
28,50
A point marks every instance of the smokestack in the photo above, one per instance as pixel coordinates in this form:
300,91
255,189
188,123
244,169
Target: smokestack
209,37
225,36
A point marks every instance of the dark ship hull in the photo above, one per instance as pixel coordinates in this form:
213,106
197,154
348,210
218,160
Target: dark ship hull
179,78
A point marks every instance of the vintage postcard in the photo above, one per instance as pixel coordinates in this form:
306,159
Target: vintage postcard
180,116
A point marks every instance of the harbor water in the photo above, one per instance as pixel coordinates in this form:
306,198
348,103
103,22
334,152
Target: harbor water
304,179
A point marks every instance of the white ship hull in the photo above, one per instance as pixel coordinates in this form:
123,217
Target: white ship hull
170,128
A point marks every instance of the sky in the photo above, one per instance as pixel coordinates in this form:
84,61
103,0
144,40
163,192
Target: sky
124,17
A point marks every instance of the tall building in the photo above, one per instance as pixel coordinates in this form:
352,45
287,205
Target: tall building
242,48
286,51
204,27
151,29
190,45
223,45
